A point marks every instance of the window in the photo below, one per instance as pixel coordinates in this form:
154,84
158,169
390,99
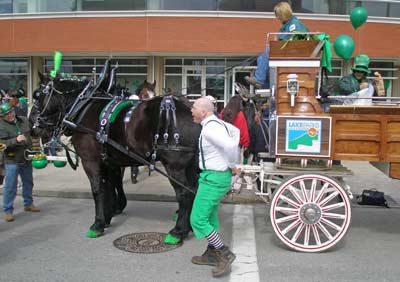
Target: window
13,73
202,76
131,72
40,6
388,71
113,5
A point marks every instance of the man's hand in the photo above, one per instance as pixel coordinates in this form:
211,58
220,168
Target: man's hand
236,171
21,138
363,85
379,85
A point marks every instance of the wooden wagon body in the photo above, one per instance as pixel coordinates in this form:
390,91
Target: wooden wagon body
310,203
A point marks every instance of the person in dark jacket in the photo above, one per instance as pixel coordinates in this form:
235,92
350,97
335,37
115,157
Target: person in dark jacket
15,134
358,80
259,133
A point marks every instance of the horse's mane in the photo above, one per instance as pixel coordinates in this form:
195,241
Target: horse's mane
67,85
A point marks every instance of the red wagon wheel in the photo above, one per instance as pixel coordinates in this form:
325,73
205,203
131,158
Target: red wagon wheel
310,212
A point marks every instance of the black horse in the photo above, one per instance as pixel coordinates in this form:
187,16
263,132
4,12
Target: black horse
177,152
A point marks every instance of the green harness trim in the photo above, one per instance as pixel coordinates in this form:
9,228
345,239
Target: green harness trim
115,109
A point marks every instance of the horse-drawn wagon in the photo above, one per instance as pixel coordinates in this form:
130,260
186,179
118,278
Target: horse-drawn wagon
310,203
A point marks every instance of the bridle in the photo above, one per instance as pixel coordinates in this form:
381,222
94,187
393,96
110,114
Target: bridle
52,120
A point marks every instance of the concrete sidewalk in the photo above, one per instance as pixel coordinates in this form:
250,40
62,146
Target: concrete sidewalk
65,182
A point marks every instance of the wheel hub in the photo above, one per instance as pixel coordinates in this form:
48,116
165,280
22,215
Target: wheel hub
310,213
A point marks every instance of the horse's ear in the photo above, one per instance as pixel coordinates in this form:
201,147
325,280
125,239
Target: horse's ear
43,78
145,81
154,83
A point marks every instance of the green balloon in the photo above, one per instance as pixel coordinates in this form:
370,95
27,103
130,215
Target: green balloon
57,63
344,46
358,17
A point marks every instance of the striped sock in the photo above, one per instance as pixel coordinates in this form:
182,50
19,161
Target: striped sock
215,240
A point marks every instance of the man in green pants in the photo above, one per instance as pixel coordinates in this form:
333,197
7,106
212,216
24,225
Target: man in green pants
218,146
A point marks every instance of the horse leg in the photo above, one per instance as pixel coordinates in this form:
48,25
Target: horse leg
110,198
134,173
120,197
185,200
97,182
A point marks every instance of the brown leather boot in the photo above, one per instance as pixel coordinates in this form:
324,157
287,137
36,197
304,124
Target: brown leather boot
224,260
8,217
31,208
208,258
251,80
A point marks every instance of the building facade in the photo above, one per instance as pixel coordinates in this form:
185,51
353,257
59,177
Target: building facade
187,46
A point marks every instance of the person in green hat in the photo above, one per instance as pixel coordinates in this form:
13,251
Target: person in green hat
18,101
358,80
15,133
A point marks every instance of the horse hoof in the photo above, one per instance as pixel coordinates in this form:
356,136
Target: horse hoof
134,180
117,212
172,240
94,234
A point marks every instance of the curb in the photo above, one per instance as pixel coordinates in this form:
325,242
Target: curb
246,197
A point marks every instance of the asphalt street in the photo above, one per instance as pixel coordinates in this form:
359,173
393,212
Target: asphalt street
51,246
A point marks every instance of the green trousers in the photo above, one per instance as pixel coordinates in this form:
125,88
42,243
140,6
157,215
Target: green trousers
213,185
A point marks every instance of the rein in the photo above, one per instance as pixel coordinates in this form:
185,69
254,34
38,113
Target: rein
131,154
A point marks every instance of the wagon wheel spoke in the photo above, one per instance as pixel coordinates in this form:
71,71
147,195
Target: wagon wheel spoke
333,215
291,226
334,206
307,235
316,235
329,198
286,210
325,231
321,192
331,224
303,190
287,218
313,190
298,232
289,201
295,193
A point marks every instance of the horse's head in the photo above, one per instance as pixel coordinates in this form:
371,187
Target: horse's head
146,90
52,100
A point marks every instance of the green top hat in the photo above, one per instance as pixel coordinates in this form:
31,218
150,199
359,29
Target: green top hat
361,63
5,109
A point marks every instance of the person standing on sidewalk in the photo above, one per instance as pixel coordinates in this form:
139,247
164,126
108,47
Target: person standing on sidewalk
15,133
218,146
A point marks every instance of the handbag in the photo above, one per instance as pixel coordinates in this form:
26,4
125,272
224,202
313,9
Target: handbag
372,197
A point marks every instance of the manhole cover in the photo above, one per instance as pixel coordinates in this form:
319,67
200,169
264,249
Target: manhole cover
144,243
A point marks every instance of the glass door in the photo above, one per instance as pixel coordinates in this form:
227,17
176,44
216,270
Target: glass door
237,75
194,82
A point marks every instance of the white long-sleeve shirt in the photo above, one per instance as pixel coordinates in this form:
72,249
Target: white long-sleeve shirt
218,147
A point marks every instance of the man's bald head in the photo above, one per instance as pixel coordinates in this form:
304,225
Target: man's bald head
201,109
205,105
